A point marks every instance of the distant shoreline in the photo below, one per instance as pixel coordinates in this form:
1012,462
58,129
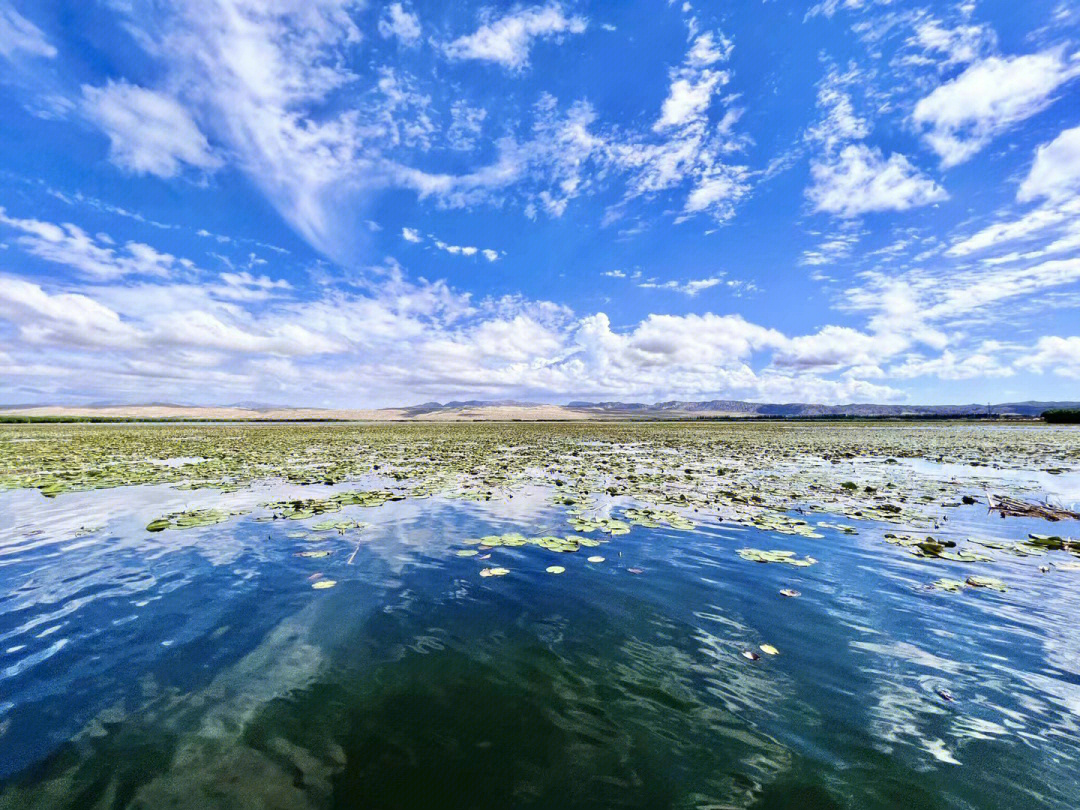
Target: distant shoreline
510,411
602,419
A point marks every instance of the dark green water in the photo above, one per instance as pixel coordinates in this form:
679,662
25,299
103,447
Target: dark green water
200,669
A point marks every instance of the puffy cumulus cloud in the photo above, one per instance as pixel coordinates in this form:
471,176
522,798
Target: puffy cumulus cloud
1055,173
149,132
19,35
1057,355
77,320
706,341
961,116
401,339
688,99
63,319
951,366
861,180
397,22
849,177
95,256
507,40
840,347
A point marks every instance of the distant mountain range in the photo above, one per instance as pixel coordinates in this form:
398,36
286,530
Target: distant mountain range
800,409
506,409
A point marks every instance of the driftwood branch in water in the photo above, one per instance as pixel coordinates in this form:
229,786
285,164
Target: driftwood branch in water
1011,507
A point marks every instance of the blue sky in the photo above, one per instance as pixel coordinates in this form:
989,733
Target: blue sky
337,203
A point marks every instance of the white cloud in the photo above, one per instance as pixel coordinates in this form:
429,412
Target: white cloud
708,49
920,303
149,133
958,46
19,35
397,22
961,116
833,248
951,366
402,339
1058,355
688,99
691,288
840,124
95,256
65,319
413,235
840,346
507,40
466,125
860,180
255,73
1033,223
1055,174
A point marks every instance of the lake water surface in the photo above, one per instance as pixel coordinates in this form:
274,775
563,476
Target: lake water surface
201,668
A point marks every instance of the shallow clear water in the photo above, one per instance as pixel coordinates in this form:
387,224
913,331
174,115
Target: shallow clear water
199,668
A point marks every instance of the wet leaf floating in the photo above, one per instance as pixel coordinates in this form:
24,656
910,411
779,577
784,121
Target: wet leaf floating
340,526
555,569
191,519
314,554
494,572
596,559
987,582
635,570
769,649
323,584
790,593
750,654
468,552
788,557
952,585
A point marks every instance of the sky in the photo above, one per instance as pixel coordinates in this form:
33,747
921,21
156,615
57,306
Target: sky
333,203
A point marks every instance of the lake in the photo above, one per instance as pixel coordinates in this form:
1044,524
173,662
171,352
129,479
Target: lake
594,615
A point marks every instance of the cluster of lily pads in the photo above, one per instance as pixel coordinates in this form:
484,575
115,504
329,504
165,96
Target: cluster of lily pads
556,543
787,557
191,519
956,585
304,508
799,480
